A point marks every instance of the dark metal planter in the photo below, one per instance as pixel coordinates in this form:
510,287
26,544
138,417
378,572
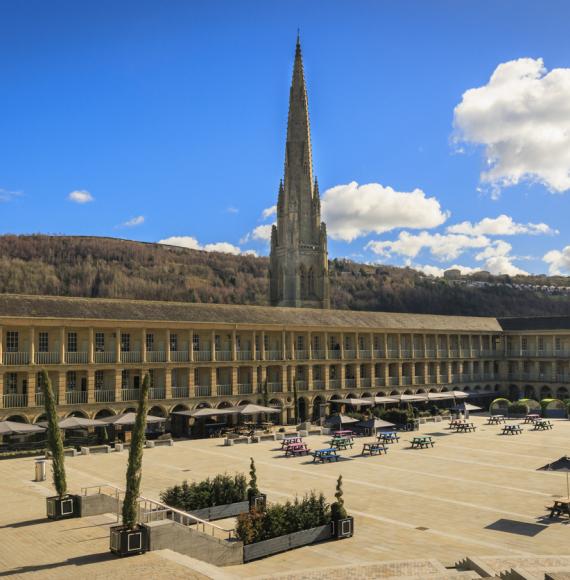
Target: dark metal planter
343,528
127,542
258,502
60,508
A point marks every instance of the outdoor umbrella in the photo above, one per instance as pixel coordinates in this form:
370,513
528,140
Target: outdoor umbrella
562,465
252,409
207,412
129,419
467,407
342,419
410,398
354,401
76,423
382,400
15,428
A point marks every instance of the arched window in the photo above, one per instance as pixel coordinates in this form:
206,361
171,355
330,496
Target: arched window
311,282
280,283
303,281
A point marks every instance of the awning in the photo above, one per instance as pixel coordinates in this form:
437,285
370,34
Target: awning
129,419
382,400
244,410
76,423
410,398
353,401
15,428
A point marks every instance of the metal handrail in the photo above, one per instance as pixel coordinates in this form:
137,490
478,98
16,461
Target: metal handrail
158,508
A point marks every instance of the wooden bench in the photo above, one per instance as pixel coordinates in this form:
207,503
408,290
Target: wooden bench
325,455
465,427
290,441
297,449
531,418
512,430
374,449
542,425
496,419
388,437
422,442
339,443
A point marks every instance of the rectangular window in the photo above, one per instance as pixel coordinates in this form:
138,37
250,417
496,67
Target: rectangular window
300,373
11,383
317,373
238,342
43,342
333,344
99,342
316,342
125,379
125,342
300,342
72,342
99,380
540,343
558,343
173,342
266,341
12,341
71,380
196,342
524,343
196,377
40,383
150,342
347,343
361,343
218,342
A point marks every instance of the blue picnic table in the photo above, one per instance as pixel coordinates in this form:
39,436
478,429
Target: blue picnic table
388,437
325,454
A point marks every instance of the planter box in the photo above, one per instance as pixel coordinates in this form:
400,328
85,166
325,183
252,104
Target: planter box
220,512
61,508
284,543
343,528
258,502
125,542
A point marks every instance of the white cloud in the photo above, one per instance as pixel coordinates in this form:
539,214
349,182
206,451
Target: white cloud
80,196
522,119
352,211
498,260
496,249
7,195
133,222
193,244
502,225
260,233
232,209
268,212
438,272
558,261
441,246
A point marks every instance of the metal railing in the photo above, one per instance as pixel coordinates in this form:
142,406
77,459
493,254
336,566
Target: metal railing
180,392
130,356
202,355
12,400
245,389
244,355
350,353
364,382
75,397
301,385
179,356
76,358
105,395
130,394
319,385
318,354
224,355
273,355
224,390
334,383
47,358
203,390
16,358
105,357
379,381
274,387
157,393
365,354
155,356
40,399
302,355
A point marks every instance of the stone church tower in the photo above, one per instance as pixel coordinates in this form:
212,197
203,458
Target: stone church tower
299,271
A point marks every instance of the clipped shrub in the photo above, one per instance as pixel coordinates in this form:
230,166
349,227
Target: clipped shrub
281,519
499,405
396,416
338,511
220,490
518,408
252,489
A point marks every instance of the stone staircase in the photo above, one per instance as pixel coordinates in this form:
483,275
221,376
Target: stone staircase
518,568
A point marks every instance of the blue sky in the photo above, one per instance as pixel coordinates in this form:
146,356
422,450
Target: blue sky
169,119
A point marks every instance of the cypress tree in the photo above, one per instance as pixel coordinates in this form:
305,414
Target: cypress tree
338,511
134,468
253,490
54,439
295,401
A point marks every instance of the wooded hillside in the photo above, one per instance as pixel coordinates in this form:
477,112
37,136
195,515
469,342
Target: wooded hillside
107,267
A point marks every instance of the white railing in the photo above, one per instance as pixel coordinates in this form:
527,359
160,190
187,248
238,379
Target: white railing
15,400
350,353
47,358
334,354
379,354
244,355
301,385
274,387
334,383
224,355
245,389
202,355
157,393
379,381
319,385
130,394
104,395
224,390
431,379
365,353
393,353
350,383
105,357
39,400
406,353
155,356
179,356
76,358
273,354
392,380
318,354
130,356
364,382
16,358
301,355
203,390
180,392
75,397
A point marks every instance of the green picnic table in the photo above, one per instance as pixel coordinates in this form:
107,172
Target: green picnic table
341,443
422,442
374,449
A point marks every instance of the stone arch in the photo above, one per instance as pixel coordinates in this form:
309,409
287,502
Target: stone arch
39,418
433,390
334,406
77,413
366,395
351,396
444,390
244,402
157,411
102,413
408,392
317,402
420,391
394,393
203,405
128,410
562,393
529,391
497,388
487,388
17,418
180,407
545,392
467,390
303,408
514,393
381,394
224,405
477,388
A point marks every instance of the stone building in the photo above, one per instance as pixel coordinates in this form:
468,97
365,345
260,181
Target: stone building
299,257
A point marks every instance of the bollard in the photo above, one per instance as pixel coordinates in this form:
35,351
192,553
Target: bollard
40,470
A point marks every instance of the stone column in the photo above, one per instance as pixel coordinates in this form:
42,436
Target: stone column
32,349
342,348
91,347
342,376
62,345
357,375
385,345
292,345
309,377
326,377
213,345
61,387
118,394
1,348
143,345
284,344
168,356
309,346
253,346
32,377
191,346
168,383
357,346
118,347
234,345
326,349
235,378
1,389
284,378
90,386
191,390
262,345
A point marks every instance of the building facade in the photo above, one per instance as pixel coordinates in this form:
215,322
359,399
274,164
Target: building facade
299,274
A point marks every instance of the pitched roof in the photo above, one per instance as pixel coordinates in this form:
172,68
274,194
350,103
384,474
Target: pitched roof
536,323
49,307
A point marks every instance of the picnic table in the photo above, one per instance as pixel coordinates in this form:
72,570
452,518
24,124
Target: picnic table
345,434
496,419
388,437
422,442
560,506
542,425
296,449
465,427
341,443
531,418
325,454
290,441
455,422
512,430
374,448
